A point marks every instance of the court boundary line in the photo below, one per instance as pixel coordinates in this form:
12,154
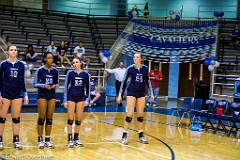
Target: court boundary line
154,153
169,148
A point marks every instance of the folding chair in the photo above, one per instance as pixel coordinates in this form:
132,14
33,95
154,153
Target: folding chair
196,107
221,111
185,108
197,104
235,118
209,114
196,122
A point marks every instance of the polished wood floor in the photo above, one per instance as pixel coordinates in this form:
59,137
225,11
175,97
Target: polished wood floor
101,132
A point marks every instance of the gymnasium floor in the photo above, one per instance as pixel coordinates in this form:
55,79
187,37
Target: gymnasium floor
101,132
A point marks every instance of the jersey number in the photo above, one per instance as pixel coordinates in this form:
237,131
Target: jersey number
14,74
139,78
78,82
49,81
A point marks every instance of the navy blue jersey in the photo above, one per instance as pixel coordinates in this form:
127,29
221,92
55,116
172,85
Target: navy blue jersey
12,77
77,85
92,84
138,79
43,76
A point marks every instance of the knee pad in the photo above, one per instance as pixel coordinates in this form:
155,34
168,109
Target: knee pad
70,122
2,120
16,120
140,119
78,123
40,121
128,119
48,121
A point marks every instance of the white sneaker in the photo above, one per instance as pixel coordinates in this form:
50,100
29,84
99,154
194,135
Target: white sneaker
154,105
40,145
124,140
143,140
148,104
91,104
78,143
1,146
70,144
49,144
17,145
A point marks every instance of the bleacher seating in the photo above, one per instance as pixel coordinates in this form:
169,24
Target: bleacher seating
228,56
24,26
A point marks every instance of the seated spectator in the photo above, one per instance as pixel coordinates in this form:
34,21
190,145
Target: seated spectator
94,94
62,53
53,49
135,11
236,37
145,10
79,51
30,54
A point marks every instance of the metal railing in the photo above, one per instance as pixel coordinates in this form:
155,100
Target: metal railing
100,78
119,45
3,48
224,88
106,7
205,10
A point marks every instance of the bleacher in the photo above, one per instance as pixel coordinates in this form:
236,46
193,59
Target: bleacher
24,26
110,28
229,57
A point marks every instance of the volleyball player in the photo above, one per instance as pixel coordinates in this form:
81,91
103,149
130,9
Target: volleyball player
138,74
76,97
12,92
46,80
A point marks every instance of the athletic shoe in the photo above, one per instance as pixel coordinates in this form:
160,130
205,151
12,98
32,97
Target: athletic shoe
143,140
40,144
91,104
124,140
1,146
78,143
70,144
49,144
17,145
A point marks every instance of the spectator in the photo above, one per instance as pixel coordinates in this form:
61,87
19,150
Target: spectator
53,49
62,53
119,76
145,10
155,76
79,51
236,37
30,54
135,11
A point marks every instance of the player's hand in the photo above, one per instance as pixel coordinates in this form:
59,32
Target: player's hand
48,87
26,100
53,86
152,98
119,99
65,105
